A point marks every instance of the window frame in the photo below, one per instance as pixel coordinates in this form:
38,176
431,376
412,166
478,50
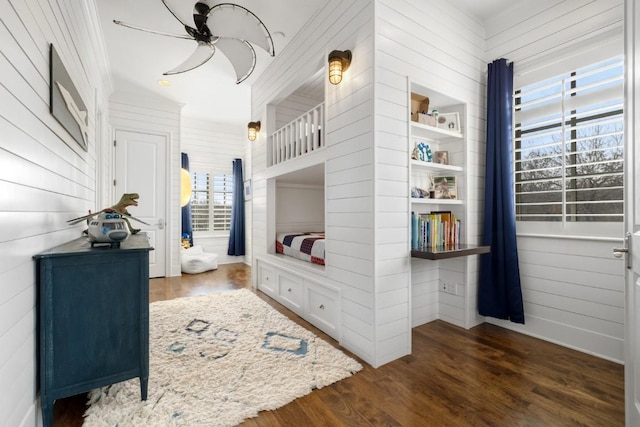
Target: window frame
563,227
211,172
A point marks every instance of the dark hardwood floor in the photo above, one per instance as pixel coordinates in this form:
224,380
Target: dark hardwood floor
486,376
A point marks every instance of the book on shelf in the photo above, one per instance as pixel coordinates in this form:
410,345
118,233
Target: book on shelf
437,230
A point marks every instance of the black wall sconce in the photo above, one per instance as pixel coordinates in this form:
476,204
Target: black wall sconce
339,62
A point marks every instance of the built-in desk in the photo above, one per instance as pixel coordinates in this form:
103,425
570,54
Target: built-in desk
442,253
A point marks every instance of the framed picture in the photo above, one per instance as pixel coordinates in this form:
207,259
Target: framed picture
445,187
441,157
449,121
65,102
247,190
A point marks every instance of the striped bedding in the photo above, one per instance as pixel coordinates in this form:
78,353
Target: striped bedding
305,246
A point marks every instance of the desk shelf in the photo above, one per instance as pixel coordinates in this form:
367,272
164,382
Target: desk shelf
462,250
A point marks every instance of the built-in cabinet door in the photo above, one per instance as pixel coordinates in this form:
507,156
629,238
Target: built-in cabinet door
322,308
267,279
290,291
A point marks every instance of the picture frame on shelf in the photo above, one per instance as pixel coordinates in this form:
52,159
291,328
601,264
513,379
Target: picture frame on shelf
445,187
449,121
441,157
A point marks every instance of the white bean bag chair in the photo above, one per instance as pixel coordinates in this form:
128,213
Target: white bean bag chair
195,260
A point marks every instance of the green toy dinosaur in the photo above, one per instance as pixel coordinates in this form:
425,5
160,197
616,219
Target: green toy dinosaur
127,199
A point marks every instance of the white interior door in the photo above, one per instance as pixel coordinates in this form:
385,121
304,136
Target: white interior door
140,167
632,216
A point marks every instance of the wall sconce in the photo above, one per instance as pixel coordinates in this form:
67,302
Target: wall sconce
185,187
254,128
339,62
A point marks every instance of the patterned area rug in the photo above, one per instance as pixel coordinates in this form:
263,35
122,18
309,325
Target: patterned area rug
216,360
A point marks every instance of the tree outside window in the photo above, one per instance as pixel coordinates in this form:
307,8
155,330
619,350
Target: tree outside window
569,141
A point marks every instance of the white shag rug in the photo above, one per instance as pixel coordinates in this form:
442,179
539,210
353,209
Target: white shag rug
216,360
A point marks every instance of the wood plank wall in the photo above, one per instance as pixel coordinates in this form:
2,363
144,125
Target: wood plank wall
436,45
439,47
157,116
46,178
367,182
213,147
295,105
349,169
572,287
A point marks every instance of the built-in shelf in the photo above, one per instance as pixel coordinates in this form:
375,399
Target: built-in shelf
462,250
431,132
426,201
422,165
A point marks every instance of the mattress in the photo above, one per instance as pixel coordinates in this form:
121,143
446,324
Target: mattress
307,246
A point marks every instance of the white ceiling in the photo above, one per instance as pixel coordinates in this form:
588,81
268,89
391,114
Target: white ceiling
138,59
485,9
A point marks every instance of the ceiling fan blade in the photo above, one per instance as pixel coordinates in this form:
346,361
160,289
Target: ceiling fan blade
162,33
202,54
241,55
233,21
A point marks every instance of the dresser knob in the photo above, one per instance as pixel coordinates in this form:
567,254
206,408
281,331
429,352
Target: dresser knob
289,290
321,307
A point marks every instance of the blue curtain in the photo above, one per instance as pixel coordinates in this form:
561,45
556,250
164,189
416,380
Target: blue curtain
499,291
236,235
187,228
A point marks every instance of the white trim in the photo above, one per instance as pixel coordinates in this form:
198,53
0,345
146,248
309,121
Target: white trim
569,57
605,231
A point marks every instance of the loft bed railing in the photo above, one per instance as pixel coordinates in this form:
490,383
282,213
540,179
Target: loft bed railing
301,136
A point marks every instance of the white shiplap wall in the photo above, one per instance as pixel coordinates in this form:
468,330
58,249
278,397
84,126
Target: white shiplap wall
136,113
349,180
367,153
45,177
294,106
572,287
213,146
436,46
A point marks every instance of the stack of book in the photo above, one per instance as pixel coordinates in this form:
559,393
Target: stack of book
436,230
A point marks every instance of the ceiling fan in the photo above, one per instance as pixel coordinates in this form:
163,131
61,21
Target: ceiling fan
228,27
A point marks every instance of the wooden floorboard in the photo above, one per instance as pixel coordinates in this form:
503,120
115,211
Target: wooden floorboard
486,376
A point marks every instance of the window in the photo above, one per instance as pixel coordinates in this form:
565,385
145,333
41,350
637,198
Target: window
211,201
569,146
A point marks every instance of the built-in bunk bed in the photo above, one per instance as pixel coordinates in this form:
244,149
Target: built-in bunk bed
293,270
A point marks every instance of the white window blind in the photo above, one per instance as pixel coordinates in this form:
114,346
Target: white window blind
211,201
222,201
569,146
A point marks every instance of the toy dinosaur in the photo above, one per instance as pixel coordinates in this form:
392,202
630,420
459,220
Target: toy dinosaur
127,199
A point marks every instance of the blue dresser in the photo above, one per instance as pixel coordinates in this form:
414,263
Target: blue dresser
93,317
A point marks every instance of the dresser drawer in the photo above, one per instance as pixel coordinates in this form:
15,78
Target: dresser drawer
322,308
267,279
291,291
